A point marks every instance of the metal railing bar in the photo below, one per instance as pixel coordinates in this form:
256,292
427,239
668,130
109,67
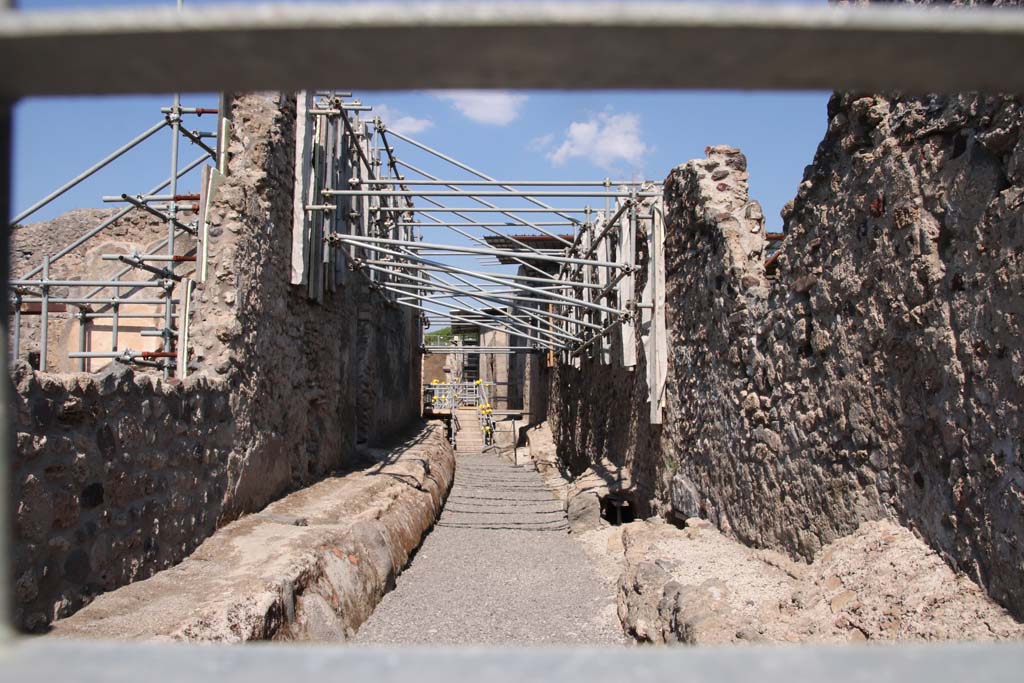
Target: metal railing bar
583,46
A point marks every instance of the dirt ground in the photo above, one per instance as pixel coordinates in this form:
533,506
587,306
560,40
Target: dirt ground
694,585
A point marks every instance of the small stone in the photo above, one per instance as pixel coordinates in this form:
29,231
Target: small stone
843,600
26,589
803,284
857,636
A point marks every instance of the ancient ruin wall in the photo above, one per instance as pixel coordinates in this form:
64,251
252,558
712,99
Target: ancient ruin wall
122,474
873,369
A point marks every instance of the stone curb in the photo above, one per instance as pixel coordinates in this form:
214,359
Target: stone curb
311,566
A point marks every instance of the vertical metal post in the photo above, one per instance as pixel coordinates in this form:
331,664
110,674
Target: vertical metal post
222,136
172,215
17,328
82,320
114,325
44,323
515,444
6,440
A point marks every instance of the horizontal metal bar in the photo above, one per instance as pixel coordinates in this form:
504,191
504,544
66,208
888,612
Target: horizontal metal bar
497,300
485,352
498,183
95,661
550,282
530,256
551,329
105,301
119,198
127,354
556,298
482,209
474,349
512,216
150,257
469,193
85,283
468,169
449,252
476,224
575,45
453,315
199,111
337,112
156,315
552,333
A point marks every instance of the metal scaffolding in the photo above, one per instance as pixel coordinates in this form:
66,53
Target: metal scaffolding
161,295
499,256
558,277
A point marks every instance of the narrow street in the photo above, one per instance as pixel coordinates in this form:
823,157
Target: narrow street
499,568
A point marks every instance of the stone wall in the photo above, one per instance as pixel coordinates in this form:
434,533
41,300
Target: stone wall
116,477
121,474
310,566
872,369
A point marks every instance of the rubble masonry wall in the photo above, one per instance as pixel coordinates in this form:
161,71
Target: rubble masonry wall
121,474
873,369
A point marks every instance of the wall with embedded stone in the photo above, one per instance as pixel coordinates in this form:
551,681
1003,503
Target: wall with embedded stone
873,368
121,474
116,477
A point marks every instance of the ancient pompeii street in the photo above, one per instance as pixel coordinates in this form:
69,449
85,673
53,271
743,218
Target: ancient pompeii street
497,569
655,373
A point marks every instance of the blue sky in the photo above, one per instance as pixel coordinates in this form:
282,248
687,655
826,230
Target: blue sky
546,135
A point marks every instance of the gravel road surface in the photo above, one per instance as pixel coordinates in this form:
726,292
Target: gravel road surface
499,568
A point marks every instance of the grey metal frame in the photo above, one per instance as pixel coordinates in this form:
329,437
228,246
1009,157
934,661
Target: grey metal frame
6,417
579,45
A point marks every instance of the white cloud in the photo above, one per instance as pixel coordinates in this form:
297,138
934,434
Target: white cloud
605,140
496,108
400,123
541,142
